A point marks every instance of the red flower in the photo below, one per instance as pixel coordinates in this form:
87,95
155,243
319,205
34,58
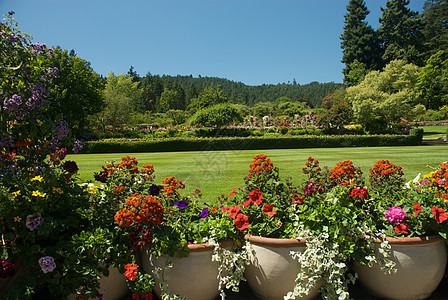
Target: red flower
402,228
232,192
247,203
298,199
233,211
256,196
131,271
241,221
145,296
359,193
269,209
439,214
417,208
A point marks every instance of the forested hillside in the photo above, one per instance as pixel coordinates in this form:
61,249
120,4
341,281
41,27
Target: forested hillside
238,92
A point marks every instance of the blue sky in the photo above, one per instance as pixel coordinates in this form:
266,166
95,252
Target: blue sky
252,41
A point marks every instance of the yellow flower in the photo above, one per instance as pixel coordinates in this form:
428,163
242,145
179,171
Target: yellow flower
38,178
17,219
38,194
16,193
58,190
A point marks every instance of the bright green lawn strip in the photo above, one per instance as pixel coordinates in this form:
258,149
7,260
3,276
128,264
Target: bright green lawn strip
217,172
434,132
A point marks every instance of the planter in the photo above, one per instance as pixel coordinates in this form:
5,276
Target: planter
113,287
194,276
420,263
272,271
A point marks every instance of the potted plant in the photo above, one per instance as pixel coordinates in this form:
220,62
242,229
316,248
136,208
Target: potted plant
410,221
166,232
316,226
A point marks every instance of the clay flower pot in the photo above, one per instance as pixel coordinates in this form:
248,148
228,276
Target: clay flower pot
272,271
194,276
420,264
113,287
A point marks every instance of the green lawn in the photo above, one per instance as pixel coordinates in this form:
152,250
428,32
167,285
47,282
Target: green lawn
217,172
434,132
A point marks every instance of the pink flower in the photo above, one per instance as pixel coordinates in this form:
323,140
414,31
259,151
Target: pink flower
395,215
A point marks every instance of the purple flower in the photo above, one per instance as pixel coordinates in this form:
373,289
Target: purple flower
395,215
61,130
154,190
77,146
181,204
47,264
204,213
32,222
7,269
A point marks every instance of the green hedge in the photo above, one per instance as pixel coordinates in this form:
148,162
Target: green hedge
246,143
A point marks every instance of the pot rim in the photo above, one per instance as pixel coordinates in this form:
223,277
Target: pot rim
275,242
207,247
419,240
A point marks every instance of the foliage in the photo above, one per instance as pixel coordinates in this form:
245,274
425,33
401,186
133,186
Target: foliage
213,95
386,97
432,81
358,35
435,31
336,117
76,92
217,115
400,33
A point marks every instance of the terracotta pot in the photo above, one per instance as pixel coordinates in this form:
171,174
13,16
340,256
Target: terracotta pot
272,271
420,263
194,276
113,287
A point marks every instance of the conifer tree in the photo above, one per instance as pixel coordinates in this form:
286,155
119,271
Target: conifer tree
435,17
359,41
400,33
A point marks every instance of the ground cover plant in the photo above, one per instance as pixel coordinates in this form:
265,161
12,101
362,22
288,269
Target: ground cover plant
217,172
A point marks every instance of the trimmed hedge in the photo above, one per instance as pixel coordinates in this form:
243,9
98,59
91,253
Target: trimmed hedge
250,143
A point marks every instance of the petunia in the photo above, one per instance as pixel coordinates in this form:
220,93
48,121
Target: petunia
203,213
269,209
47,264
402,228
395,214
232,192
233,211
417,208
256,196
181,204
241,221
439,214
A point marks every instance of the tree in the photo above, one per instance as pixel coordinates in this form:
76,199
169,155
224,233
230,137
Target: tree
211,95
119,94
217,115
359,41
435,17
171,99
400,33
433,81
386,96
337,116
77,91
356,73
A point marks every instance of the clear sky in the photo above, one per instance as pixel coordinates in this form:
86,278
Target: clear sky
252,41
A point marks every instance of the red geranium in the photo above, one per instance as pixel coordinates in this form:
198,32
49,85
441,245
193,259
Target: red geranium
131,271
402,228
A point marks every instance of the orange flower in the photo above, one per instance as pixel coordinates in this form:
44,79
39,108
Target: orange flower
140,209
131,271
261,163
171,186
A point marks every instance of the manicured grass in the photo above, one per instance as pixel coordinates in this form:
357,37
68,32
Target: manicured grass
434,132
217,172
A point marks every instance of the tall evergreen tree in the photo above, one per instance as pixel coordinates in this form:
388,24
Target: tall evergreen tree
359,41
401,33
435,17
